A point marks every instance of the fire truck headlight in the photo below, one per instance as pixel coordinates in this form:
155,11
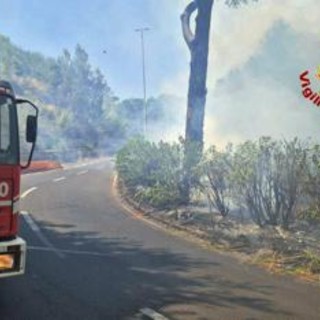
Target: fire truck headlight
6,262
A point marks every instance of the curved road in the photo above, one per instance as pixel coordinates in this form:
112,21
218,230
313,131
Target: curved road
89,259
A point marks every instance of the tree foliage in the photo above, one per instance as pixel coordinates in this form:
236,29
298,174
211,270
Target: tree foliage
69,91
79,114
152,173
311,186
267,176
268,179
214,171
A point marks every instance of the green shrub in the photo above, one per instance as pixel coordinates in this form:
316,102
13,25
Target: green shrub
312,261
312,213
311,185
267,178
152,173
214,171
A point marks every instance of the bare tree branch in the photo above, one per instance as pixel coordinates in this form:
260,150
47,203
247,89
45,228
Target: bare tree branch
185,21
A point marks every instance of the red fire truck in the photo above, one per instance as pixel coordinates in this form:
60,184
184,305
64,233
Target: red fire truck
13,248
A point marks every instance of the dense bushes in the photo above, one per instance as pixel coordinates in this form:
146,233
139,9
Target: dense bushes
271,180
267,179
152,173
311,187
214,172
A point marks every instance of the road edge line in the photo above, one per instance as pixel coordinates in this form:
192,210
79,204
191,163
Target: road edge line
27,192
36,229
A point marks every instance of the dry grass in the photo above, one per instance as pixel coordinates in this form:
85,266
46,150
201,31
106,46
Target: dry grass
306,265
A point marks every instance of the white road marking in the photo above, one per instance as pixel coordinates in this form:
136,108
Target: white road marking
152,314
26,193
76,166
82,172
30,222
40,235
59,179
85,164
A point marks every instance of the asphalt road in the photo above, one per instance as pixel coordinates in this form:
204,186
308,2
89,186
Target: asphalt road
89,259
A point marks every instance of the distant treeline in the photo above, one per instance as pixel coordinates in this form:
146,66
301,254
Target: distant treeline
80,115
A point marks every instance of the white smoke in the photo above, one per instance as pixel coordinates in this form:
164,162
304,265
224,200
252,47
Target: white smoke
245,99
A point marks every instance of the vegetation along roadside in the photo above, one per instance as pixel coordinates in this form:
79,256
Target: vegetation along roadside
258,198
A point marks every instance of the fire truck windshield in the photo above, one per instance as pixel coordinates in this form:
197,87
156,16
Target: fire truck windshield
8,131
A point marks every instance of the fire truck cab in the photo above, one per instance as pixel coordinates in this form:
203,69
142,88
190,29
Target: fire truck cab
13,248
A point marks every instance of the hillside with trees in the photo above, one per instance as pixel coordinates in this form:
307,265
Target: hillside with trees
80,116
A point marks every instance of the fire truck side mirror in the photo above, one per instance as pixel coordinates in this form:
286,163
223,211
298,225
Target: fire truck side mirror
31,134
31,129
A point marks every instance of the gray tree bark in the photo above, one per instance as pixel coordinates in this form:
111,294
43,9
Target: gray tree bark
198,44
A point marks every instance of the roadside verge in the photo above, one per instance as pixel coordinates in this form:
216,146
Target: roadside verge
271,260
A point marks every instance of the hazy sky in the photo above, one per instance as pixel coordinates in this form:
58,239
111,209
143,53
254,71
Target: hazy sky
51,26
257,53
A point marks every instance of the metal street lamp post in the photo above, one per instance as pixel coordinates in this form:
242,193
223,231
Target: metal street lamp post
144,79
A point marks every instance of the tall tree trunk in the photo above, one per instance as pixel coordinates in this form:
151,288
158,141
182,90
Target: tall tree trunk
198,44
